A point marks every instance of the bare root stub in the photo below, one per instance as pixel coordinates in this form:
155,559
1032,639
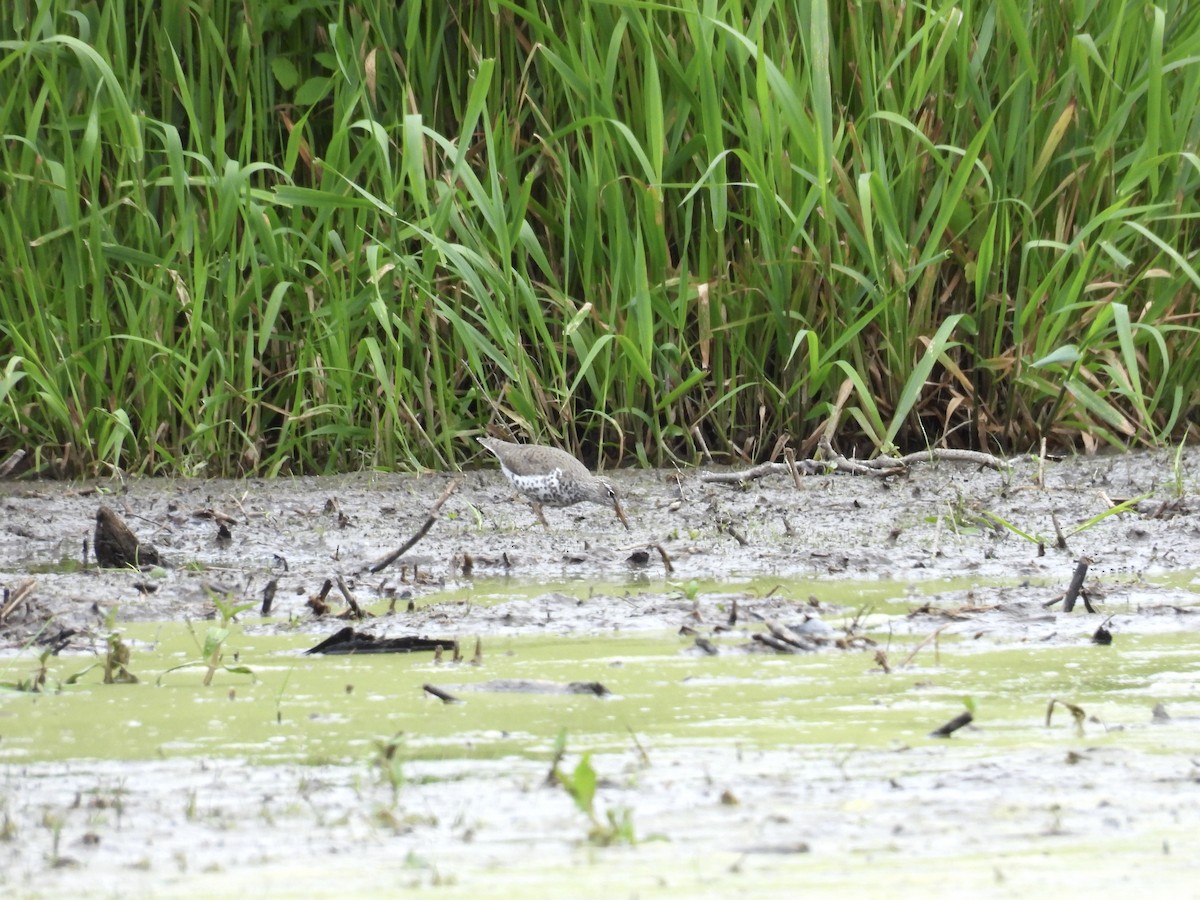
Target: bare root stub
116,547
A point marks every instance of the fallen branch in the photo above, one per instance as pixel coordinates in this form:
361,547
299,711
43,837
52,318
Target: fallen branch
788,636
776,644
348,641
14,460
424,530
743,476
833,461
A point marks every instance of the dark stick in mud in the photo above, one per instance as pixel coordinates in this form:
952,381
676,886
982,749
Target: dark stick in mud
1073,589
662,551
439,693
424,530
964,718
351,602
789,456
269,596
1060,540
1076,585
707,646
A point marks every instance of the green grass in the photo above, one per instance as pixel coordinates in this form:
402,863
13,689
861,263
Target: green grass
309,237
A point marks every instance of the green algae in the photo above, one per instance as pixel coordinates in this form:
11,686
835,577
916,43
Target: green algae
298,708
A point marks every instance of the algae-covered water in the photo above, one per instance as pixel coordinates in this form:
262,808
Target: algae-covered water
304,709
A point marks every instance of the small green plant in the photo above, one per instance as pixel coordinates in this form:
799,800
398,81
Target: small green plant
617,825
1121,507
115,663
388,761
55,824
279,696
1004,523
212,653
960,517
1078,715
212,656
36,682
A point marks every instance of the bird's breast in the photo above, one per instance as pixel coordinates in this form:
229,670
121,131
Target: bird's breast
547,487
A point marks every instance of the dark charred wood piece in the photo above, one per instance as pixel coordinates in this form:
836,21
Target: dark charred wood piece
347,640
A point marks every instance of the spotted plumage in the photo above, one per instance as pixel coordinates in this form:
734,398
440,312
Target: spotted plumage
552,477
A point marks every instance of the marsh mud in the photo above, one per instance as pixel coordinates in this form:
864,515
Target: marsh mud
735,767
997,545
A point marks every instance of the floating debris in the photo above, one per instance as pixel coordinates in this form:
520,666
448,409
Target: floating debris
347,640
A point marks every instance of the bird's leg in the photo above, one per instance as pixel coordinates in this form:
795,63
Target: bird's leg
537,511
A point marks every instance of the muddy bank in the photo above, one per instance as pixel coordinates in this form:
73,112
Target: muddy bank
937,522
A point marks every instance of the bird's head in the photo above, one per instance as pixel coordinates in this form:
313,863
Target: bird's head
605,493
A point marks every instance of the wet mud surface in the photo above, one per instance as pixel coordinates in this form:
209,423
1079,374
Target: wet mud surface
1058,815
930,822
935,524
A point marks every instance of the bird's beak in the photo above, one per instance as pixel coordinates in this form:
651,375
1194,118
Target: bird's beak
621,514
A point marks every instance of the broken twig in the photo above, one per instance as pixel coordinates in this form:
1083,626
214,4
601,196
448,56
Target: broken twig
19,593
424,529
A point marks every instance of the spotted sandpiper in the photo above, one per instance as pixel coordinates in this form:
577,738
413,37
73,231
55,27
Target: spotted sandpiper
552,477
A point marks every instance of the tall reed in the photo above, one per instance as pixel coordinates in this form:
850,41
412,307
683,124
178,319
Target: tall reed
279,237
